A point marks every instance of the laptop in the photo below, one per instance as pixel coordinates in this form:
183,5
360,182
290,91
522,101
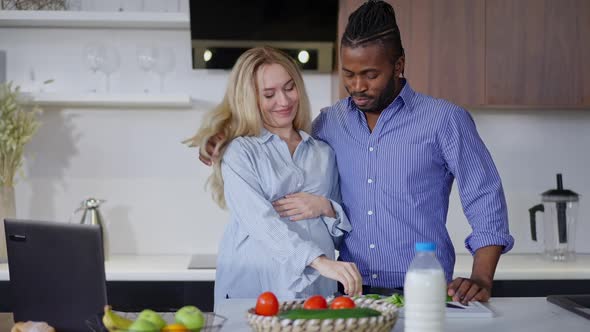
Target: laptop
578,304
56,272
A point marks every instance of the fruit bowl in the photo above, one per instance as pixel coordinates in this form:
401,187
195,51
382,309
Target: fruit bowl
213,322
382,323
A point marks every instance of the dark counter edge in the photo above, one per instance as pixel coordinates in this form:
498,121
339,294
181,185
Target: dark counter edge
166,295
134,296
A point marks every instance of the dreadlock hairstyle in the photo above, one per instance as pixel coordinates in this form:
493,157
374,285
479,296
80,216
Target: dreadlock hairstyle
374,21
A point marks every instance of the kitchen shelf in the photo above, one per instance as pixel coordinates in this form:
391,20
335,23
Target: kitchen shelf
111,100
87,19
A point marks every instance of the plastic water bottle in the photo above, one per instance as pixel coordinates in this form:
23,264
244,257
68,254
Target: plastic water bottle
425,291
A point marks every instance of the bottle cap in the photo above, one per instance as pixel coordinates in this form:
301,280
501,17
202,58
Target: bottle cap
425,246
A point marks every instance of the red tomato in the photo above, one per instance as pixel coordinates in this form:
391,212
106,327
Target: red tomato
315,302
342,302
267,304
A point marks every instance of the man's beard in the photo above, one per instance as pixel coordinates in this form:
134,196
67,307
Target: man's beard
385,98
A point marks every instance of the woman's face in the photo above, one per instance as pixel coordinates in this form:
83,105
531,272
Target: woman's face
279,99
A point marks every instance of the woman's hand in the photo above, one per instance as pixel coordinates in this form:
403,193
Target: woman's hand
300,206
344,272
212,147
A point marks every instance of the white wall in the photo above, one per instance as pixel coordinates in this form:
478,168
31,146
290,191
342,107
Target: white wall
529,147
154,185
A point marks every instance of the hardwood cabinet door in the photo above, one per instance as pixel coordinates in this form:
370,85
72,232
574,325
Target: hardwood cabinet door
444,44
538,53
445,49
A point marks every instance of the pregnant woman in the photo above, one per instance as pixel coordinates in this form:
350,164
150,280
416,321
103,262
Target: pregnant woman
279,184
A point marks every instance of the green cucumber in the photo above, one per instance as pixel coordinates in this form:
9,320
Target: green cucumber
399,301
396,299
373,296
329,313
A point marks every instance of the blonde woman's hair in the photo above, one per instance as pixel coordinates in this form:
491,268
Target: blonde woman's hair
239,114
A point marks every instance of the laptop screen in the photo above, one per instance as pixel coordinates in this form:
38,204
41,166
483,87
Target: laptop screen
56,272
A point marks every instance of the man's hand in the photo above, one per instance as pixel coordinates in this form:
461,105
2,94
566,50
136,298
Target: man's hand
300,206
479,286
465,290
212,149
344,272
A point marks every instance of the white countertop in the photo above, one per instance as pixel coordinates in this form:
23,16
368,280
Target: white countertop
146,268
521,314
174,268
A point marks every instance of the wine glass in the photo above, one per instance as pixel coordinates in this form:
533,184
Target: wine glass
164,63
146,58
94,56
111,64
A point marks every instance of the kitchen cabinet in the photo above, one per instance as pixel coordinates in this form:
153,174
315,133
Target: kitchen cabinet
166,295
537,52
495,53
134,296
445,49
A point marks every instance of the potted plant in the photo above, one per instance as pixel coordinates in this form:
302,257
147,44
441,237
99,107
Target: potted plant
17,126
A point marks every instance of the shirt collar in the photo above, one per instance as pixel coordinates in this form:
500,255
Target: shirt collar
266,135
406,94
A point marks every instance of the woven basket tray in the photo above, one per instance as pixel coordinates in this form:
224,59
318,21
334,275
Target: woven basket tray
385,322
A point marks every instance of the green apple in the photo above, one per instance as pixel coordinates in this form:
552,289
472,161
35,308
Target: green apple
153,317
191,317
142,325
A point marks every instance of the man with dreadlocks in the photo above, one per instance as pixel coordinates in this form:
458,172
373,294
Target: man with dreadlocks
398,153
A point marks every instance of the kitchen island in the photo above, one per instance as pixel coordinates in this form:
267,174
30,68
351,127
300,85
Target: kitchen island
521,314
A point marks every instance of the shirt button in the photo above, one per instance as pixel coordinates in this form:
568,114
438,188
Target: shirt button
370,213
372,246
370,180
299,185
374,276
371,149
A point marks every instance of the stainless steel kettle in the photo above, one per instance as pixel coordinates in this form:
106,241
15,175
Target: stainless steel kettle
91,216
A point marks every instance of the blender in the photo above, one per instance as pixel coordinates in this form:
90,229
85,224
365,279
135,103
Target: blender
560,209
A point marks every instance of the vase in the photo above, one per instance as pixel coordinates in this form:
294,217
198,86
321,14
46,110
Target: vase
7,210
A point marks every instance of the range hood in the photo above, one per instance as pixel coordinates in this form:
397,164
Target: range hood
222,54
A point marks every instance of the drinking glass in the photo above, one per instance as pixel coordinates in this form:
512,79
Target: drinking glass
164,63
146,59
94,56
111,64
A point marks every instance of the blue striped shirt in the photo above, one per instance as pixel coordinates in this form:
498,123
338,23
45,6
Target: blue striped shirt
396,182
260,251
